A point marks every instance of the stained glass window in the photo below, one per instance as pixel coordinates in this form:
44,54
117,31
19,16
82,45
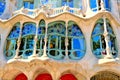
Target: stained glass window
44,76
76,46
27,41
98,40
11,44
41,35
2,6
56,40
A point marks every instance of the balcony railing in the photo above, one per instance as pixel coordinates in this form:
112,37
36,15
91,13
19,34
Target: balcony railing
49,11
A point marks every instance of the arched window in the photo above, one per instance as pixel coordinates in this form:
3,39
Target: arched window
56,40
68,77
11,44
21,76
95,5
27,41
76,46
44,76
2,6
98,39
67,2
41,35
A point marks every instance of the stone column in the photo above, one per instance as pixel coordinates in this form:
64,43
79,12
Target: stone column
102,5
66,41
35,41
19,42
44,56
106,37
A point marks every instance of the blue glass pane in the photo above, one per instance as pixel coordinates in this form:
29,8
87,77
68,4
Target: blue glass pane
26,4
67,2
96,38
30,44
93,5
2,7
76,55
41,30
29,29
99,29
109,28
107,4
74,31
76,44
31,6
28,53
15,32
57,28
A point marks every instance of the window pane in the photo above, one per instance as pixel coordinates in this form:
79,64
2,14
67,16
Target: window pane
93,5
2,6
11,41
76,42
56,40
26,4
67,2
107,4
99,42
28,34
31,5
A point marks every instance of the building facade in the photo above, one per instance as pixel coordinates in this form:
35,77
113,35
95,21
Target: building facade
59,40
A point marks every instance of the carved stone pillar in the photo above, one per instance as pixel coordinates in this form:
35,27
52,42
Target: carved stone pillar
19,42
66,41
35,41
106,36
44,56
102,5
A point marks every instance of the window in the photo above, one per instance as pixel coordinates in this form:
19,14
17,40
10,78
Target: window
76,45
98,40
11,43
96,5
2,6
93,5
29,4
27,41
67,2
41,35
56,40
107,4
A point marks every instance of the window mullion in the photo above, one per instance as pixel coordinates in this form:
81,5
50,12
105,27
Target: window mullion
108,55
66,40
56,45
45,40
